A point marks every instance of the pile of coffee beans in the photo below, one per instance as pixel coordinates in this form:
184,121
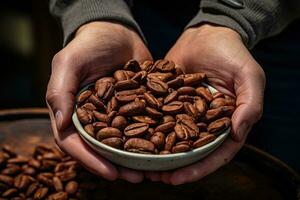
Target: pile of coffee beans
154,108
47,174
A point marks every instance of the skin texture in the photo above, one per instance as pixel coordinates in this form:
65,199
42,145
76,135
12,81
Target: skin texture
221,54
95,51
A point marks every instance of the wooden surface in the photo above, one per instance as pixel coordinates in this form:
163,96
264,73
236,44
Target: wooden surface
253,174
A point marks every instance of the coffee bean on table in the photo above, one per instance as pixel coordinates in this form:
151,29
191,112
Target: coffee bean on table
152,108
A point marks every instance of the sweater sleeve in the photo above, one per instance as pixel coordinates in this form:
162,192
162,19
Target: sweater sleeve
253,19
74,13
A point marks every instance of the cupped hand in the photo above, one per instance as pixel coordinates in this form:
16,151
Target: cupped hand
97,49
230,68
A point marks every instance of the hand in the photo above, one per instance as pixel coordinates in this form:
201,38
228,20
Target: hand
230,68
96,50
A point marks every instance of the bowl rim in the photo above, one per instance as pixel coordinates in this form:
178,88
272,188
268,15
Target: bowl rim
105,147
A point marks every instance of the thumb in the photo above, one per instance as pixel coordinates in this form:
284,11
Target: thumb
61,90
250,94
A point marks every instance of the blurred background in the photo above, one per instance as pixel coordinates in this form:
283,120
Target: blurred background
29,38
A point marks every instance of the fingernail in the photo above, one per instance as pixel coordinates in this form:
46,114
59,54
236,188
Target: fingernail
242,131
58,119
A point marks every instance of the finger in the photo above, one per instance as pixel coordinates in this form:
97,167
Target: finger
165,177
153,176
214,161
249,86
130,175
73,145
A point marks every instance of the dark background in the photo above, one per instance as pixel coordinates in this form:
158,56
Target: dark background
29,38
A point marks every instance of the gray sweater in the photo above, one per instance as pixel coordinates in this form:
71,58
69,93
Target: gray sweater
253,19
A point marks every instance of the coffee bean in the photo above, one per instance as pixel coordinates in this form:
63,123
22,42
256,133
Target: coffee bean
119,122
157,86
9,192
6,179
115,142
152,101
144,119
71,187
166,127
205,139
143,100
83,96
58,186
158,139
136,129
139,145
218,126
132,108
59,196
173,108
108,132
41,193
171,97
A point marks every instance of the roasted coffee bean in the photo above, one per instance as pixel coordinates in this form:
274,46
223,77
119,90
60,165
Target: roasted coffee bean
153,112
164,65
173,108
181,148
29,170
217,102
132,65
41,193
152,101
31,189
170,141
119,122
181,132
126,85
166,127
164,152
201,106
121,75
66,175
58,185
11,170
204,93
83,96
106,90
136,129
146,65
89,128
83,116
115,142
190,110
218,126
186,98
132,108
171,97
22,181
96,102
168,118
160,76
108,132
58,196
158,139
144,119
45,179
176,83
157,86
192,79
99,125
6,179
155,102
139,145
10,192
71,187
204,140
186,90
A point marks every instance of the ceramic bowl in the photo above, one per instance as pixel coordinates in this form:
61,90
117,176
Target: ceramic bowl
148,162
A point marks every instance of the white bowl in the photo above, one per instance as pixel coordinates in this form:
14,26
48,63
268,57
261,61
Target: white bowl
149,162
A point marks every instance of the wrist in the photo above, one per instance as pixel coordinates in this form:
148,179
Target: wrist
212,30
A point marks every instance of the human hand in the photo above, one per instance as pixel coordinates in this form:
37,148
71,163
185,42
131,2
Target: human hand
96,50
230,68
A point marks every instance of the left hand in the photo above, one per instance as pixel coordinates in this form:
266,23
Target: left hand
230,68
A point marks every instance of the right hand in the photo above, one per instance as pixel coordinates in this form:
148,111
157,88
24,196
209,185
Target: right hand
97,49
